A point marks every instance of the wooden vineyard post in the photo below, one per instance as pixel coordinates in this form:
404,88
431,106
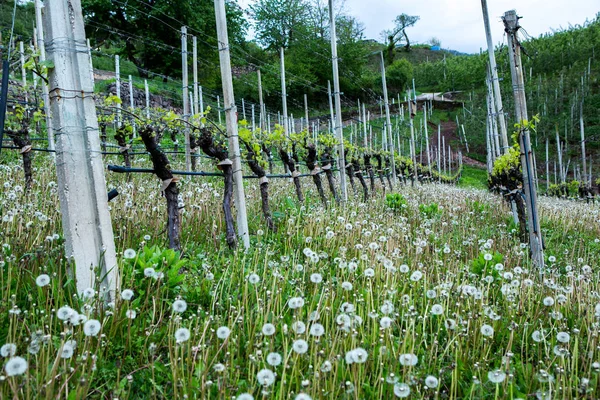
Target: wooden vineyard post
286,127
511,25
388,122
338,105
497,97
89,239
45,95
231,119
186,98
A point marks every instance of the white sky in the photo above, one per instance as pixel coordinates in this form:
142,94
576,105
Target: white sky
459,23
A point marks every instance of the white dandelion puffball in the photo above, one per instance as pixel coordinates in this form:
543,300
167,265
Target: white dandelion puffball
496,376
302,396
416,276
563,337
369,272
300,346
265,377
487,257
347,285
67,351
359,355
182,335
253,279
295,302
274,359
437,309
431,382
401,390
549,301
408,360
299,327
245,396
64,313
537,336
317,330
316,278
8,350
179,306
487,330
92,327
129,254
15,366
326,366
89,293
223,332
127,294
268,329
149,272
42,280
385,322
131,314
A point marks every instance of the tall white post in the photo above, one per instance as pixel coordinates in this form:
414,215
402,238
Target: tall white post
45,95
306,111
364,118
388,121
511,23
89,48
426,134
89,239
23,71
495,82
338,104
147,92
118,88
261,103
231,117
286,127
195,106
185,95
330,96
583,156
131,104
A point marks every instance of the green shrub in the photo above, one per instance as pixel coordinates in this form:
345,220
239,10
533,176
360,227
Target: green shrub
430,211
396,202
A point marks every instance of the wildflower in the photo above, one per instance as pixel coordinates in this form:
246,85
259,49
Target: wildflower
416,276
127,294
317,330
219,367
431,382
437,309
131,314
346,286
92,327
129,254
179,306
369,272
64,313
549,301
67,351
326,366
385,322
329,235
295,302
89,293
245,396
42,280
408,360
537,336
268,329
265,377
302,396
8,350
299,327
300,346
563,337
487,330
552,259
401,390
431,294
149,272
487,257
274,359
15,366
253,279
496,376
223,332
182,335
316,278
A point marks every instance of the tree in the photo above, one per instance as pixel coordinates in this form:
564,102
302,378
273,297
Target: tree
277,21
398,33
147,32
399,75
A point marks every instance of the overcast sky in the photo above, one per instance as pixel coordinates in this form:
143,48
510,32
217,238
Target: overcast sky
459,23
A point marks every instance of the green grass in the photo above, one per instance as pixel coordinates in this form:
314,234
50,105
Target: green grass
473,177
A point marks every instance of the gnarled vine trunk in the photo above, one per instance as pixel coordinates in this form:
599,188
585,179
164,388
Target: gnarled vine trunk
326,162
162,169
361,179
218,151
369,168
311,163
264,185
121,136
291,164
387,164
380,170
22,141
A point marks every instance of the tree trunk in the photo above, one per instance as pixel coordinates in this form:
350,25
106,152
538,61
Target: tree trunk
520,203
380,170
311,163
264,185
103,138
230,228
163,172
121,136
387,163
369,168
326,162
361,179
21,140
291,164
350,171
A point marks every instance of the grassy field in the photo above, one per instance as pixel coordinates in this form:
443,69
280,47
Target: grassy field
434,299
